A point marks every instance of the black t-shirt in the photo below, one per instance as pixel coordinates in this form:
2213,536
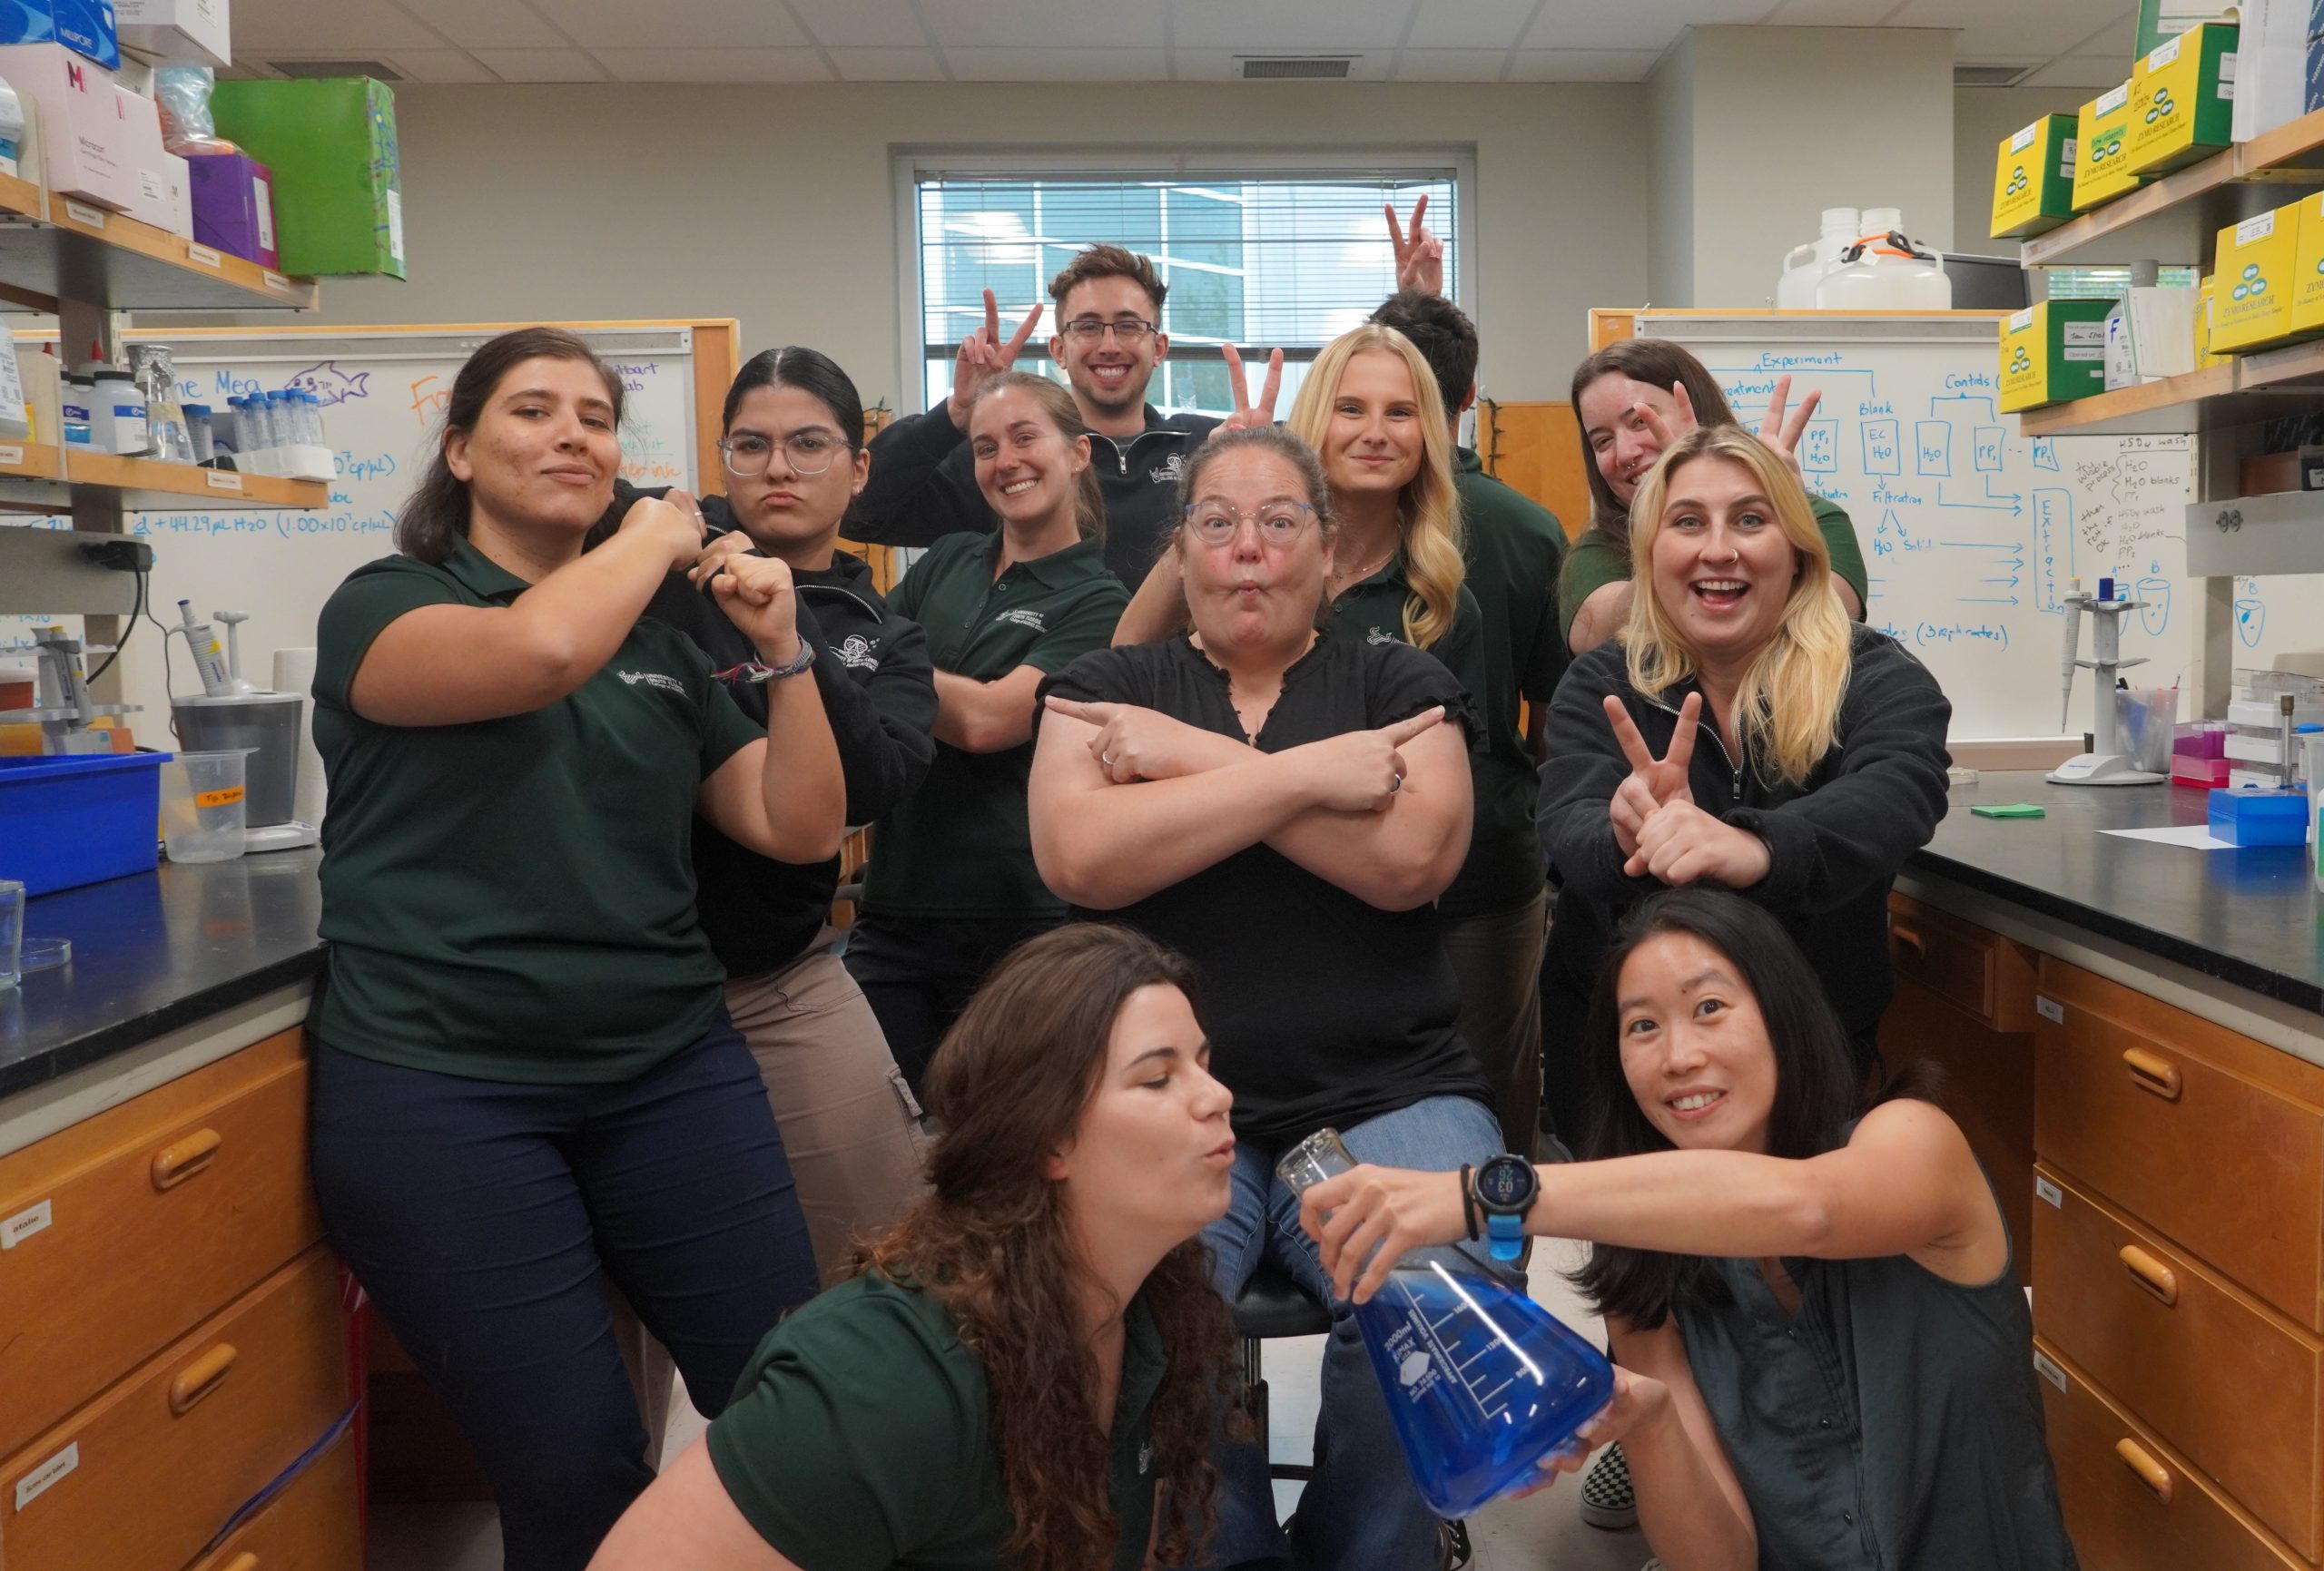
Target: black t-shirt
1321,1009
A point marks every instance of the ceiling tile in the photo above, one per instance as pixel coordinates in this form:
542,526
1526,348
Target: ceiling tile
540,64
886,65
265,28
1022,64
714,64
2092,73
1226,64
438,65
1296,26
1449,65
860,24
1637,23
1999,29
1581,64
476,24
1045,25
1469,23
693,24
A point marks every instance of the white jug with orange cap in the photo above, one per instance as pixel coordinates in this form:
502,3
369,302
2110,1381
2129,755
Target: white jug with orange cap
1885,272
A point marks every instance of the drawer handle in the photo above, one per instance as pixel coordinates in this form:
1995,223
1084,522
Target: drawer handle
2153,1275
245,1561
201,1378
174,1164
2151,1473
2152,1073
1910,938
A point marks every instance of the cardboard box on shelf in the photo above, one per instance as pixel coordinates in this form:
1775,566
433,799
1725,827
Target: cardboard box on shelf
332,143
83,151
83,26
2052,352
146,159
234,206
2034,178
177,31
2251,298
2183,99
2101,166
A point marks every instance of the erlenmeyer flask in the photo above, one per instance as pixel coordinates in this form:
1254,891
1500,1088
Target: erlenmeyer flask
1481,1380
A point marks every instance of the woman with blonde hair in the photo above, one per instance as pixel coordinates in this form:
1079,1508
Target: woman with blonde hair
1741,733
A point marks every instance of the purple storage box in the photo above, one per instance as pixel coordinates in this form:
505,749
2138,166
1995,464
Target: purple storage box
68,822
234,206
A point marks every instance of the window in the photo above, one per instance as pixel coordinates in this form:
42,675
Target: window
1262,260
2108,283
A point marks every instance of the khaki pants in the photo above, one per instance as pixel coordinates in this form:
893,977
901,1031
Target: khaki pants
1498,959
850,1124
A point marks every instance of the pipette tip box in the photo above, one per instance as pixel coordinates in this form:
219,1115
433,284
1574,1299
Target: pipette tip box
2260,818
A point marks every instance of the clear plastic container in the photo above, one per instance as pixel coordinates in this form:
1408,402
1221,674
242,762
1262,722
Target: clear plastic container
205,805
79,392
2144,718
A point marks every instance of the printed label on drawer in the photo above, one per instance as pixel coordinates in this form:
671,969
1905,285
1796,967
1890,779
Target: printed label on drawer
224,797
32,1485
81,214
203,256
12,455
24,1224
2049,1009
2045,1190
2048,1370
225,480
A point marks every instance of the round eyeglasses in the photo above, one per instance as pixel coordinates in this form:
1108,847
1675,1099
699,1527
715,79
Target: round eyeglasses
810,452
1278,523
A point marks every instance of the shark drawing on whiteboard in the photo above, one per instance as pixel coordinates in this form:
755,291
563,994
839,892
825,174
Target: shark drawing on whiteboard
330,385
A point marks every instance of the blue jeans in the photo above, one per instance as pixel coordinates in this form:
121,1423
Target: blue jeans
479,1216
1361,1512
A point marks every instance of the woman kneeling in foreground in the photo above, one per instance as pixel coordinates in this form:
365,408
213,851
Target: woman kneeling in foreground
1826,1356
1027,1368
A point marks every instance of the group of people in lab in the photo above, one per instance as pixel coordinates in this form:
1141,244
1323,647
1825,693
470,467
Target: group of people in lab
1230,778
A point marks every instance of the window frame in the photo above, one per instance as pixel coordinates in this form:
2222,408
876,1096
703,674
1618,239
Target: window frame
910,165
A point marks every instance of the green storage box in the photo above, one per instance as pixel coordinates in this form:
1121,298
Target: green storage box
338,183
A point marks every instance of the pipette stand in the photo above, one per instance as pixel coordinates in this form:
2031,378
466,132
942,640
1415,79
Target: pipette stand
2105,764
64,707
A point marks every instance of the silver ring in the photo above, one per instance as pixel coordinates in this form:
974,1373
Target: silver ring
1106,759
1395,783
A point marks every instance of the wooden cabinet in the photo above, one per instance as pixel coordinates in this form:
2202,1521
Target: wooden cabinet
1987,976
312,1526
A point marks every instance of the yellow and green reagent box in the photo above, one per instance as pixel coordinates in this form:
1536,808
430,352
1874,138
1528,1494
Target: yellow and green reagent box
2183,99
2033,178
2102,166
2052,352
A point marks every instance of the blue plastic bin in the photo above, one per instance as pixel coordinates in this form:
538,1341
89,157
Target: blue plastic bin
68,822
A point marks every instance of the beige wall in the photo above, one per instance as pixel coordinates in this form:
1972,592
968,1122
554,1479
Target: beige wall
1671,270
775,205
1982,116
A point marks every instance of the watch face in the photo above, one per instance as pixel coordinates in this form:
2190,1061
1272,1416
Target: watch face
1505,1180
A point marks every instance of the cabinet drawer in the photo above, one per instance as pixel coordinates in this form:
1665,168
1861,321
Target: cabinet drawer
142,1478
2228,1385
2130,1502
119,1244
1989,975
315,1525
2193,1131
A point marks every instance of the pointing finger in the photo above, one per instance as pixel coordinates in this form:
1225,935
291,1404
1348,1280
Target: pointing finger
1404,730
1095,713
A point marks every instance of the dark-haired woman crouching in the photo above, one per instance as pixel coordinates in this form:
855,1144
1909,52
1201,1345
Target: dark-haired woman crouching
1027,1370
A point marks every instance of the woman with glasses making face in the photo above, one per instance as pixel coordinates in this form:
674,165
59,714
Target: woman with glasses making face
792,445
1284,809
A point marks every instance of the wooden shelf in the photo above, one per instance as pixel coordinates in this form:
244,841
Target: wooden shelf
2173,219
2243,392
37,485
55,247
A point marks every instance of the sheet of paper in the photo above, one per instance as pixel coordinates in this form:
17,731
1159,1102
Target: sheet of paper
2198,836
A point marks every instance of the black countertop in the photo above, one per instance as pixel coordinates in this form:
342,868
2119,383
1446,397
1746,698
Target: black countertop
155,952
2251,918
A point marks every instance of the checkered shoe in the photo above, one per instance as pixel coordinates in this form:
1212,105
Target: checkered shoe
1607,1500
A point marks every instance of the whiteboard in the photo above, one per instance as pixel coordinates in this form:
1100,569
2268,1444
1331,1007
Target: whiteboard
1970,530
383,392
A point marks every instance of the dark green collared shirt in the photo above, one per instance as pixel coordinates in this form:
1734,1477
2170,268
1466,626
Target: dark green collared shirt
959,846
860,1439
514,900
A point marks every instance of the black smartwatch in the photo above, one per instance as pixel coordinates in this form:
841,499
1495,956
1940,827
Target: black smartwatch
1505,1187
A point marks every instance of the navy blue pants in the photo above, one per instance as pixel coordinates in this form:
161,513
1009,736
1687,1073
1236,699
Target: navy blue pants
479,1214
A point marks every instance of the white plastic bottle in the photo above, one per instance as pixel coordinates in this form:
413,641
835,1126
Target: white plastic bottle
1804,265
1882,277
119,418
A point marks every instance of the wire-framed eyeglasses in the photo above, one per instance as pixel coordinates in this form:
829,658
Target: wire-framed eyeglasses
1278,523
812,451
1127,330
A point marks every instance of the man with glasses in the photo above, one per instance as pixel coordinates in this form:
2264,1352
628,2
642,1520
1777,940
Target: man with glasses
1108,340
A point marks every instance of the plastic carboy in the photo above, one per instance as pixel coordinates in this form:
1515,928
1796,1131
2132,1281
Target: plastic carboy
1481,1380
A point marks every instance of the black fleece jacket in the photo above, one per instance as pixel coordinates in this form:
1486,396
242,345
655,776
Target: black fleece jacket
923,485
879,688
1835,844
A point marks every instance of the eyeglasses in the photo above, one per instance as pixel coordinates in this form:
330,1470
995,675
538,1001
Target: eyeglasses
809,452
1279,522
1127,330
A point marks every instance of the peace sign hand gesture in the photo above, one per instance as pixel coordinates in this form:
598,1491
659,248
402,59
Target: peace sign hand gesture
1247,412
984,357
1419,255
1652,781
1777,429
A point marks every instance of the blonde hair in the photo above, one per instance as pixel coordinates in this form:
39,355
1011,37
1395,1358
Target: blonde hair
1787,709
1428,510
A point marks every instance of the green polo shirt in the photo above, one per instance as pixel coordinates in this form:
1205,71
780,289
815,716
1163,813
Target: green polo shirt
959,846
1595,562
513,899
859,1437
1513,546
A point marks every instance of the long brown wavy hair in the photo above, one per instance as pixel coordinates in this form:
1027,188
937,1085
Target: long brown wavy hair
1010,1082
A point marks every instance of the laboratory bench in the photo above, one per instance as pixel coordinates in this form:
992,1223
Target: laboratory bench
175,1337
2132,1036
